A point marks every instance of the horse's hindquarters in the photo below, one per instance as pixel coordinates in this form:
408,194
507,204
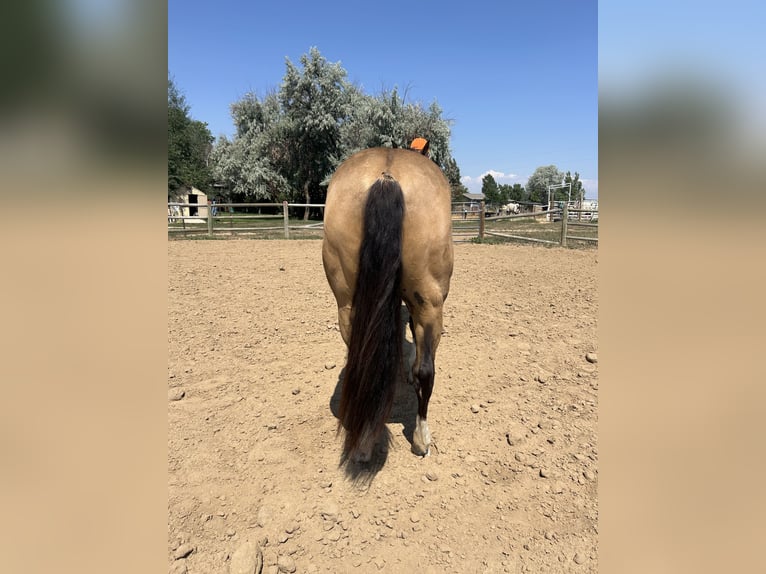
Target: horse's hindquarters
364,194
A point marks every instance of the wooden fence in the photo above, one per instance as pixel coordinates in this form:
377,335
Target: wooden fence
220,219
566,224
468,225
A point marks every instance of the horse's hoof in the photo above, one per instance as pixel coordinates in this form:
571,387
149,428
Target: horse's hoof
421,437
421,450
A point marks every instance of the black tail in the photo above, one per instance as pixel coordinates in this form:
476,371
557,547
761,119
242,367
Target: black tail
375,348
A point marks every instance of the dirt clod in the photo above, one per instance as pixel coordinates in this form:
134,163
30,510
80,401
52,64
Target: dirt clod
247,559
286,564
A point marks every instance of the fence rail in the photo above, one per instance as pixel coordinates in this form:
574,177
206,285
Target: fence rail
220,218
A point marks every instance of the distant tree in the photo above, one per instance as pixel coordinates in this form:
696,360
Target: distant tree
490,190
538,182
189,146
577,190
452,172
504,191
517,192
510,193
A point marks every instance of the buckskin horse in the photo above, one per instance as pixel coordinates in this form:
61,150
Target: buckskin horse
387,239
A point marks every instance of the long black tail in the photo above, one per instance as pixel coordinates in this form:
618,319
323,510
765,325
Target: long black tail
375,348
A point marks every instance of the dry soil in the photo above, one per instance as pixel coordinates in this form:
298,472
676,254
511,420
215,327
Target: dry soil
255,363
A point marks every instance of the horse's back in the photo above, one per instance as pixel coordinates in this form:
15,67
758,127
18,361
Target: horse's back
427,198
423,183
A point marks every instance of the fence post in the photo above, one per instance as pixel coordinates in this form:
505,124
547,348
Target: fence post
564,219
287,221
481,220
209,221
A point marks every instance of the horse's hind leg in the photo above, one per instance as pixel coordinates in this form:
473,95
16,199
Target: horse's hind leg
341,288
427,322
344,322
408,351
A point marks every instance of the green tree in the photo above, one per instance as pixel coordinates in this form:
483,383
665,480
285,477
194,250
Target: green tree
429,124
189,146
540,180
452,173
577,190
516,192
490,190
509,193
249,165
504,191
288,144
314,103
388,120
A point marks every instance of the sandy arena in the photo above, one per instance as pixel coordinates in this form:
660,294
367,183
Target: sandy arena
255,359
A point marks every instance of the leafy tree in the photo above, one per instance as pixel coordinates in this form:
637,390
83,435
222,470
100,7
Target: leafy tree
490,190
370,123
577,190
538,182
314,103
288,144
387,120
249,165
428,123
510,193
189,145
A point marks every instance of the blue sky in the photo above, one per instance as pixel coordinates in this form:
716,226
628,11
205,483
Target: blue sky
519,79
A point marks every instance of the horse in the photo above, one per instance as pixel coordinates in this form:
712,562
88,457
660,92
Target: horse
387,239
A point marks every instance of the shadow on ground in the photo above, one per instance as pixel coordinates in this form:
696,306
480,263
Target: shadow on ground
403,412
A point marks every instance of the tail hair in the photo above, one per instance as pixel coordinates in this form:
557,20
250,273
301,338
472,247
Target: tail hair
374,361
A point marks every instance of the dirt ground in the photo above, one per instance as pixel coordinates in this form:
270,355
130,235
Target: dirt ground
255,360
